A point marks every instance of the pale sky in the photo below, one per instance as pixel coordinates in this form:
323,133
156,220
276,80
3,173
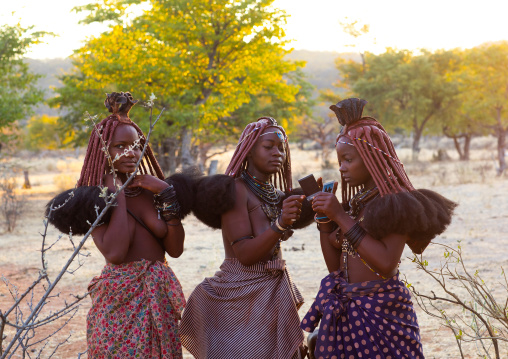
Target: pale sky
313,24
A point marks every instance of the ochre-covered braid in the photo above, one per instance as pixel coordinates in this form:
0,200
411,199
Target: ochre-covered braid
96,163
250,135
376,149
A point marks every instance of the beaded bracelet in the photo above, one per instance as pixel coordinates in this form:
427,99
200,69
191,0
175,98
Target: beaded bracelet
316,219
355,235
165,197
166,204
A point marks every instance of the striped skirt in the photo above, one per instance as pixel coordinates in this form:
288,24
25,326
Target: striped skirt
135,311
373,319
244,313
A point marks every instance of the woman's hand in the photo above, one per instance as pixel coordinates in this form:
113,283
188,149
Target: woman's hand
327,204
291,210
151,183
320,184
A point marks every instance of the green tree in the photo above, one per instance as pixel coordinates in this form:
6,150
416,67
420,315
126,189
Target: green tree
266,103
489,68
204,59
17,84
44,132
464,115
404,90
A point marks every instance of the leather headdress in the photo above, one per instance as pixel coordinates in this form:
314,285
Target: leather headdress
120,103
349,110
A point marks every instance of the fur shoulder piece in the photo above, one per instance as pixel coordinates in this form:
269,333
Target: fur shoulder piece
213,196
307,215
421,214
183,184
75,209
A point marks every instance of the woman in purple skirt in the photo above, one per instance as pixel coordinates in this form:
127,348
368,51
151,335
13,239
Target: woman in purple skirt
363,309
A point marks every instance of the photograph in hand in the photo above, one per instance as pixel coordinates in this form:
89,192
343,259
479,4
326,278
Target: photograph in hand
328,187
309,186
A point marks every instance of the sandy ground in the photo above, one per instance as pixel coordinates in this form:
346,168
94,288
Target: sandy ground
480,223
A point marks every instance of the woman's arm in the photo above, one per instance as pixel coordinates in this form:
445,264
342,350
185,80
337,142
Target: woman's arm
113,239
175,237
236,224
382,255
327,236
175,234
331,253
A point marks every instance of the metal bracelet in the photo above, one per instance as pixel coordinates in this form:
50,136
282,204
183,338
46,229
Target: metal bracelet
355,235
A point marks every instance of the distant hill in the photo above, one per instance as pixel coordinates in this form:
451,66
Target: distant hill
50,69
319,69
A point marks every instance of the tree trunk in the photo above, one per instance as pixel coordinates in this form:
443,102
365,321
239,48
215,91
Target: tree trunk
213,167
203,155
416,144
464,150
501,142
456,142
186,158
325,154
501,145
26,185
467,146
167,155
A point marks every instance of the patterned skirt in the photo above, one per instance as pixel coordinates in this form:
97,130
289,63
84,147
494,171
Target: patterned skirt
374,319
244,313
135,311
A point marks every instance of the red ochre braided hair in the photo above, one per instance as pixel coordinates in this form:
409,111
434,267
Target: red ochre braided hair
96,162
374,146
282,179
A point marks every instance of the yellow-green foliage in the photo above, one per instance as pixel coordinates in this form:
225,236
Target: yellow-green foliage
64,181
43,133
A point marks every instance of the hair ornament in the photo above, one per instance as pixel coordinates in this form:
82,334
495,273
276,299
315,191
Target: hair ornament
345,142
248,138
279,134
349,110
247,135
120,103
371,145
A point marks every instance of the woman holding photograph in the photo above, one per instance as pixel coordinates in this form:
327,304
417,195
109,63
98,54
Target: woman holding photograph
364,308
249,308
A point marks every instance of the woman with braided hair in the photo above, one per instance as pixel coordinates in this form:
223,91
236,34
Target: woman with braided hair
364,308
249,309
137,300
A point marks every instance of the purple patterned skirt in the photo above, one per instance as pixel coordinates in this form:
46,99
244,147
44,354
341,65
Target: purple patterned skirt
374,319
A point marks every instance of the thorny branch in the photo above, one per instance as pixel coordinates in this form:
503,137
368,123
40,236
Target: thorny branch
484,320
25,328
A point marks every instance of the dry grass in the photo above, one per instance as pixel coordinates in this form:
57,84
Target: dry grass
481,223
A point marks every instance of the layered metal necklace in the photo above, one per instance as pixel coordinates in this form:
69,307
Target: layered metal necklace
264,190
356,204
360,200
132,192
270,200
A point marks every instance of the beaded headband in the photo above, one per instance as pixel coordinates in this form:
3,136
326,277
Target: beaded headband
279,135
247,135
374,147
